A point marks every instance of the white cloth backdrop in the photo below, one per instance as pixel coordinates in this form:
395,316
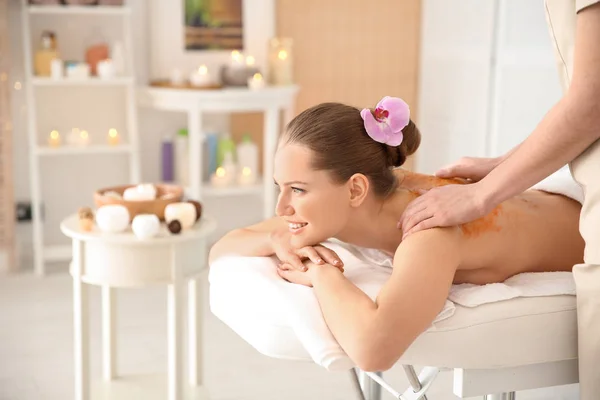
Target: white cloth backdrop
487,77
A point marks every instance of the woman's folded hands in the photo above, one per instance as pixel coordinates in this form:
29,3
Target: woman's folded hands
294,259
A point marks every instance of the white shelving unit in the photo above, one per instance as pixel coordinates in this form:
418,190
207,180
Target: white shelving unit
42,253
270,100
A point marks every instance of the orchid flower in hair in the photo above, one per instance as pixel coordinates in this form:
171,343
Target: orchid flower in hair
385,123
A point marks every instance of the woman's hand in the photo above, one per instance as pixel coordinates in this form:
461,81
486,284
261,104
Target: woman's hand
292,275
473,168
293,258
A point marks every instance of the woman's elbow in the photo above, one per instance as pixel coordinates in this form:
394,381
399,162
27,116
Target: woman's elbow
376,363
218,249
378,358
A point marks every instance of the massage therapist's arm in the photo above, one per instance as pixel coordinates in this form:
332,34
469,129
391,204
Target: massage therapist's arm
253,241
569,128
375,335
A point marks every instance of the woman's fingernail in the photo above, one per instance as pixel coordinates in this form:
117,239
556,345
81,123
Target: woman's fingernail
336,262
319,260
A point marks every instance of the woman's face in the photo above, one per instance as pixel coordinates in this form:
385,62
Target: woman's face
314,207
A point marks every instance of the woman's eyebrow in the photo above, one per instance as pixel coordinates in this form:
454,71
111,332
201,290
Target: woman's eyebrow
295,183
291,183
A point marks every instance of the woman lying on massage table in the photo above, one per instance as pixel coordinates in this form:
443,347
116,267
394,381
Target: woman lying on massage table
334,167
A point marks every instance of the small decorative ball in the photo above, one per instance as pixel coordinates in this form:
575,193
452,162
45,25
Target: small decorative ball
112,218
184,212
145,225
85,213
198,206
174,226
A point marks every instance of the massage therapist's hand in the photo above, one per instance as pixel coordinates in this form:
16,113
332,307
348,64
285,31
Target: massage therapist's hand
473,168
292,258
445,206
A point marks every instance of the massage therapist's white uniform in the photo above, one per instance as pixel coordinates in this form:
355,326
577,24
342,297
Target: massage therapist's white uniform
561,16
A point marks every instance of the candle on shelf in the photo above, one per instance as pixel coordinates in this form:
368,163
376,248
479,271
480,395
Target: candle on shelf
113,137
237,59
200,77
176,77
256,81
280,61
106,69
247,157
54,139
73,137
247,177
250,61
84,138
56,68
220,178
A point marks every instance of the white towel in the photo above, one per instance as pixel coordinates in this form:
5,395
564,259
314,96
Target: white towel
522,285
254,279
561,182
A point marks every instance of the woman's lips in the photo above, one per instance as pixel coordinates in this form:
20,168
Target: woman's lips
296,227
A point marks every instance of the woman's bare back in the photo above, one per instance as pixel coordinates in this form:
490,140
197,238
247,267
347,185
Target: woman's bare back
532,232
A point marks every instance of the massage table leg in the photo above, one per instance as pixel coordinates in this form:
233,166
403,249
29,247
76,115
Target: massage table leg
370,388
354,373
501,396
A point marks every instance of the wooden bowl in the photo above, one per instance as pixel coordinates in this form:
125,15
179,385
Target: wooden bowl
165,194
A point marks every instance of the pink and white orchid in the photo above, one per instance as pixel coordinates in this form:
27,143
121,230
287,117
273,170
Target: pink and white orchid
385,124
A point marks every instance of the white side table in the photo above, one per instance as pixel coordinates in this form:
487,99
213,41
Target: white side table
123,261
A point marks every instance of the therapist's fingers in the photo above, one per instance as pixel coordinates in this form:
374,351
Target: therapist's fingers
411,223
414,207
425,224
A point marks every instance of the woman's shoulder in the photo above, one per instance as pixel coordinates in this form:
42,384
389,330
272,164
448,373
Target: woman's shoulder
414,180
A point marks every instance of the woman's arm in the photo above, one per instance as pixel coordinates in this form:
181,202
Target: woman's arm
253,241
376,334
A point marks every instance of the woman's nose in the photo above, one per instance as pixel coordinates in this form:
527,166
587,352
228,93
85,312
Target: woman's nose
283,208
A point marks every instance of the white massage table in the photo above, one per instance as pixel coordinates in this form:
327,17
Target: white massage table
494,349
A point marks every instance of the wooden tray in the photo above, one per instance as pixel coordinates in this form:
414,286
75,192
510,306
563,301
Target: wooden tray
165,83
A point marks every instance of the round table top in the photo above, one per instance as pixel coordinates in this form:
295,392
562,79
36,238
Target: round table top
200,230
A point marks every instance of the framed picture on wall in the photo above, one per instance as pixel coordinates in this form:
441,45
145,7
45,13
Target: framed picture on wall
213,25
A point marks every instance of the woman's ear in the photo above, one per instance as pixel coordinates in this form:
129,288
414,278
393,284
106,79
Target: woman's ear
359,188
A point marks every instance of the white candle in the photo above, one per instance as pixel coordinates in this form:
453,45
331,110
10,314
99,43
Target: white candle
247,176
84,138
237,59
176,77
73,137
106,69
113,137
220,178
250,61
200,77
54,139
56,68
256,82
